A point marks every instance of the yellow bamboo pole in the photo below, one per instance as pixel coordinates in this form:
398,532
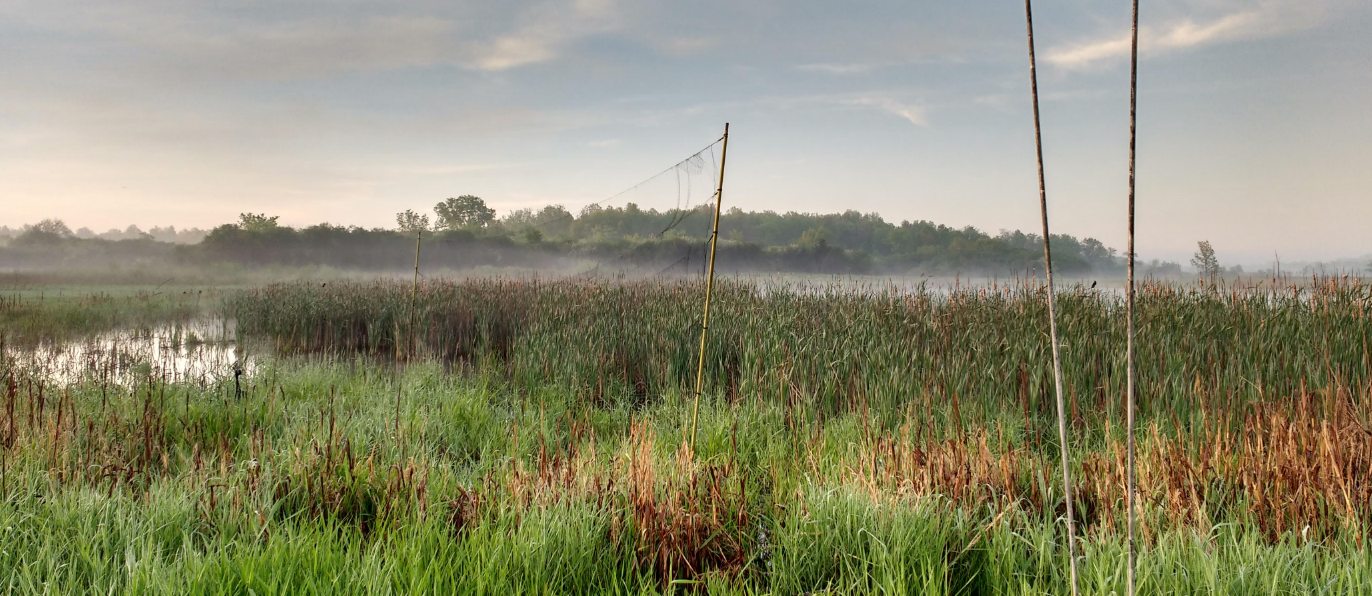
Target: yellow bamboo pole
709,285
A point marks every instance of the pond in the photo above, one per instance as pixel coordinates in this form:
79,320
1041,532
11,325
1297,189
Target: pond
200,351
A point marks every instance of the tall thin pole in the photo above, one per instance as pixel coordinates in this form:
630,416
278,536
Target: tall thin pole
1129,301
709,285
1052,305
414,293
409,345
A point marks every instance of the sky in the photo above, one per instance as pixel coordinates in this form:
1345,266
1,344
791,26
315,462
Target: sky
1253,126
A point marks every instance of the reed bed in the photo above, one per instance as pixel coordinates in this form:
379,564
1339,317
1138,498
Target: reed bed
868,440
30,317
301,485
827,348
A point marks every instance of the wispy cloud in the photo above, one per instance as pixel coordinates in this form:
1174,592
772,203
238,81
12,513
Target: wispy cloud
684,46
838,69
913,113
1271,18
200,41
440,169
547,28
882,100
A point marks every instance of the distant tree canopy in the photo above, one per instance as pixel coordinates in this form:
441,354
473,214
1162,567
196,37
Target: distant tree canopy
467,233
256,222
905,246
51,244
55,227
466,211
867,240
410,222
1207,266
48,231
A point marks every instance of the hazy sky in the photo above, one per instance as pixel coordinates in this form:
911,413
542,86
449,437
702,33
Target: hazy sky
1254,127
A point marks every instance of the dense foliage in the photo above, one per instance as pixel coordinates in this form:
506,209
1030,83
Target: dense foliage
467,235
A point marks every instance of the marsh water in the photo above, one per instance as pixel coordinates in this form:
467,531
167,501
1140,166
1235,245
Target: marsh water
202,351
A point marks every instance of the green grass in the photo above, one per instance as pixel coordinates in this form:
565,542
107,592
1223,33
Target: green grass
535,463
58,314
494,491
824,349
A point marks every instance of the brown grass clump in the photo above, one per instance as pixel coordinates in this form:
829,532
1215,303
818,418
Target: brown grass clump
1302,467
1299,468
685,518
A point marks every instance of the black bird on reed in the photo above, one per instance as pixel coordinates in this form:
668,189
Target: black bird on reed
237,372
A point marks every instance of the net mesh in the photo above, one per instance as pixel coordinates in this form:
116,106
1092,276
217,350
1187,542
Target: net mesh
660,225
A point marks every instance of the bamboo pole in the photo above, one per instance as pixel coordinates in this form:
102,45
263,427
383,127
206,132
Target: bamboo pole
409,347
709,286
1129,301
1052,304
414,294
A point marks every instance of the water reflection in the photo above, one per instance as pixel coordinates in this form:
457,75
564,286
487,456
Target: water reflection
200,351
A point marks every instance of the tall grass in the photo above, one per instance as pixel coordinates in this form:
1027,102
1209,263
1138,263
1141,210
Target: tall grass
868,441
301,486
822,349
32,317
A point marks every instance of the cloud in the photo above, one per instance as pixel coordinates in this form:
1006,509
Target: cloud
440,169
683,46
914,114
309,48
603,144
837,69
1269,19
203,41
548,27
883,100
1085,55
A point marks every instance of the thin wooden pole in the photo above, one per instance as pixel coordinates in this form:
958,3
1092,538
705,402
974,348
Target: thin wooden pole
709,286
1129,301
414,293
1052,305
409,347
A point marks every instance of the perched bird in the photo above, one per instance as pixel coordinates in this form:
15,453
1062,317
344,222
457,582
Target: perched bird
237,372
1093,285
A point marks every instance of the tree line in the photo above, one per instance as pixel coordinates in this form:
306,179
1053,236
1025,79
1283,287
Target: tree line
464,232
864,241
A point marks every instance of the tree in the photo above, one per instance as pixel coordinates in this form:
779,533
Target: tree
1207,266
814,238
55,227
553,220
466,211
518,219
256,222
48,230
134,233
410,222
